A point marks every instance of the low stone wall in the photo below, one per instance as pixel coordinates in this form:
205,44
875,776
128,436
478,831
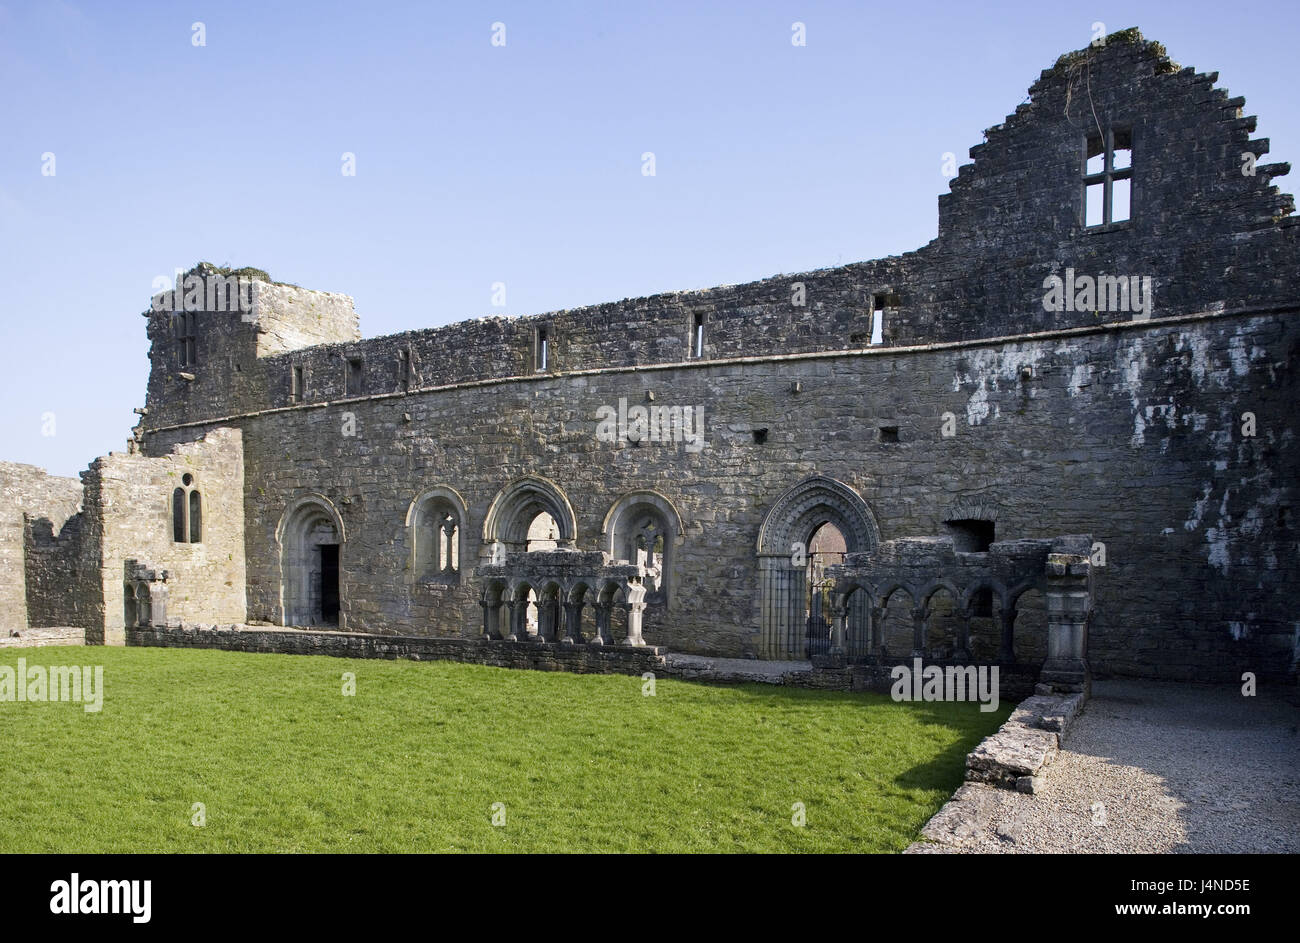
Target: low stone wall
538,656
39,638
1015,757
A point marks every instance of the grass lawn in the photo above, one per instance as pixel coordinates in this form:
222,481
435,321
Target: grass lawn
415,760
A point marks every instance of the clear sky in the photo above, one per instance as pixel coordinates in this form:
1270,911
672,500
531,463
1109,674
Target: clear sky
478,163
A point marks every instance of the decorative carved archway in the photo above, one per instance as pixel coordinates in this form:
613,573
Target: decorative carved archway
783,540
514,509
311,537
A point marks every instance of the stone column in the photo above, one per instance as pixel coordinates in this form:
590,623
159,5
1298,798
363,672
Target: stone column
962,653
1007,653
920,615
878,634
603,613
1069,606
634,592
838,613
514,613
572,623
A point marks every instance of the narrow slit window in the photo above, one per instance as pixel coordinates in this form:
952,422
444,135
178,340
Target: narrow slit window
186,339
541,359
196,517
178,516
878,305
697,335
403,370
1108,178
355,374
296,385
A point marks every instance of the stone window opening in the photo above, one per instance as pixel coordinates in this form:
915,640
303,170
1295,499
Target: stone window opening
1107,178
543,533
404,369
697,335
355,376
971,535
187,512
889,435
437,545
541,351
297,387
186,339
881,302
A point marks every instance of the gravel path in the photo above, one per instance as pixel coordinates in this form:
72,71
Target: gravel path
1177,768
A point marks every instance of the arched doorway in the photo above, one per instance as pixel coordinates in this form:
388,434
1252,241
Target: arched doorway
809,528
311,540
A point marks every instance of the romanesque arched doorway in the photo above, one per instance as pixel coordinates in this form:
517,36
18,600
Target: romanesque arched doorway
809,528
311,541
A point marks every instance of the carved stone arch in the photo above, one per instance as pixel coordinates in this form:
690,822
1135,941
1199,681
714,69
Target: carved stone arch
928,591
1014,593
424,558
515,507
811,503
997,589
793,519
971,509
622,525
882,598
581,592
309,524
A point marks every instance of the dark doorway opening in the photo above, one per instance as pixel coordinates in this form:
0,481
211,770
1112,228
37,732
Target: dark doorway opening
329,583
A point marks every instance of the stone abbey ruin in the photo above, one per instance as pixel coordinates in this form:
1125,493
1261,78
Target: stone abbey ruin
1061,436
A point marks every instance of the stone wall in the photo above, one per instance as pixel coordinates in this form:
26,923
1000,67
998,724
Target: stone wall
540,656
1132,433
33,501
1166,433
131,496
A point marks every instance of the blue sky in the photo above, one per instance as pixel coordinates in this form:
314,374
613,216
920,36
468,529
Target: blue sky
478,164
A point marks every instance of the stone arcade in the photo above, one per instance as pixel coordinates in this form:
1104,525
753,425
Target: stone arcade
908,457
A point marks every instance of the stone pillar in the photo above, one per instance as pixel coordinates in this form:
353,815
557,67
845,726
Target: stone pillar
1069,605
546,627
920,616
962,652
878,634
603,614
572,623
635,610
514,613
838,614
1007,653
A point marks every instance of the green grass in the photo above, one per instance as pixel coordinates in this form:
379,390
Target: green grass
415,760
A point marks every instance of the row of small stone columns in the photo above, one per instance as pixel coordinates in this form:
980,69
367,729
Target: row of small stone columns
920,631
516,611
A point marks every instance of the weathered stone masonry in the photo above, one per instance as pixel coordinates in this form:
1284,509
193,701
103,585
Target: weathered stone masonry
1167,435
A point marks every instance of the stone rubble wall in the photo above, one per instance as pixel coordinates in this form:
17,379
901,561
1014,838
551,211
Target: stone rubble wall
132,496
36,509
1015,757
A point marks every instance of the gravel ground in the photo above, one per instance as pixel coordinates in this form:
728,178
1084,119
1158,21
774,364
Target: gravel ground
1176,767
